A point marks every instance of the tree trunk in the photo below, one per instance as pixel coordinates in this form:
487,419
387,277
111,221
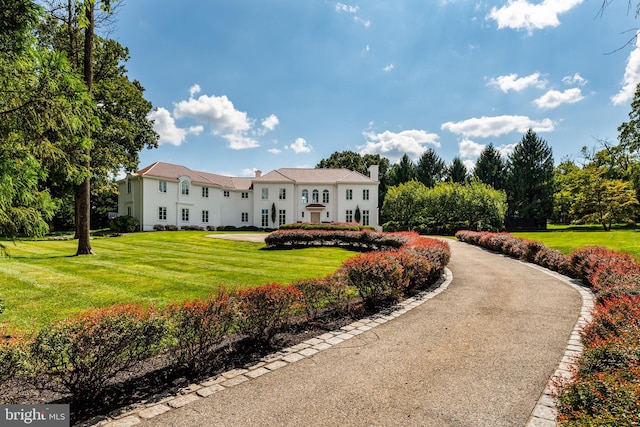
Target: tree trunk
83,192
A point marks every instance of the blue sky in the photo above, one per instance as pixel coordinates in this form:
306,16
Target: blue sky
240,85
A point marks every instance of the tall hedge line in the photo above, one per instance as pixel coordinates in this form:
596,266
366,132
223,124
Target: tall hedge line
81,355
605,388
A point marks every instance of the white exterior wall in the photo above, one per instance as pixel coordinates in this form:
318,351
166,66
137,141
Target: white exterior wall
145,199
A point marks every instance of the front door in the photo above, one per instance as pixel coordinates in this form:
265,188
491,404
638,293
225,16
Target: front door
315,217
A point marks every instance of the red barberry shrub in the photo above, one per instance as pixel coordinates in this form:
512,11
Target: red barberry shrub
554,260
328,293
81,354
378,277
262,311
418,271
197,328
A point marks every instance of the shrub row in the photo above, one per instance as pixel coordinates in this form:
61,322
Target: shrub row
362,240
341,226
605,388
84,355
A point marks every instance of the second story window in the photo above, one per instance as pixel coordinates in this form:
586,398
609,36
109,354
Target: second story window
245,195
365,194
305,196
128,185
283,194
349,194
162,186
226,193
184,188
205,192
325,196
315,196
265,194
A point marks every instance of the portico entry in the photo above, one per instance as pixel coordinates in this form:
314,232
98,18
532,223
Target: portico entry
315,209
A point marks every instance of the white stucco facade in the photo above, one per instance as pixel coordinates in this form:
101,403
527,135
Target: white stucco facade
168,194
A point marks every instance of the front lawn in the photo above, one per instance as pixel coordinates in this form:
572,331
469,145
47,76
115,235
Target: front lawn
41,281
568,238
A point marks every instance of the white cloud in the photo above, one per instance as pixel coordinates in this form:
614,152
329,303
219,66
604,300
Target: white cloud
194,90
341,7
365,22
506,150
240,141
554,98
631,76
394,145
300,146
523,15
388,68
469,148
165,126
469,164
249,172
217,111
576,79
270,122
512,82
274,150
484,127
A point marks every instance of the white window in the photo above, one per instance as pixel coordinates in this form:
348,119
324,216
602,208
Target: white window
128,185
349,194
283,194
315,196
205,216
365,217
349,216
162,186
305,196
264,215
365,194
282,217
245,216
205,192
185,188
129,211
245,195
185,215
265,194
325,196
162,213
226,193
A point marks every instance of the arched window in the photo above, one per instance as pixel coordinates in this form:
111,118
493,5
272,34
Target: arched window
315,196
305,196
325,196
185,187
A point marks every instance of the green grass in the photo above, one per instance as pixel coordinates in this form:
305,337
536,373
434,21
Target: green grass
41,281
567,238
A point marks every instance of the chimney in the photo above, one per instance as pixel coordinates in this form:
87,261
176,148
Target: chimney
258,173
373,172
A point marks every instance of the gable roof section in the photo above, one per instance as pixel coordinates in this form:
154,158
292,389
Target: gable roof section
173,172
315,176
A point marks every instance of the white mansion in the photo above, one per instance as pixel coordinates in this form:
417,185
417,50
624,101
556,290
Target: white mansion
168,194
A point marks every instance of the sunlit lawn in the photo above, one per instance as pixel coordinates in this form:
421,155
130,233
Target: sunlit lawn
567,238
41,280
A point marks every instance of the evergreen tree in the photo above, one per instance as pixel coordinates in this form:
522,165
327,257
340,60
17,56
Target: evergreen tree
403,172
530,182
490,168
457,171
430,168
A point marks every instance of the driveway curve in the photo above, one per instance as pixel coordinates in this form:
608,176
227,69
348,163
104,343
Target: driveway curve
478,354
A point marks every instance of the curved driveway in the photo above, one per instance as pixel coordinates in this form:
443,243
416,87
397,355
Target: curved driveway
478,354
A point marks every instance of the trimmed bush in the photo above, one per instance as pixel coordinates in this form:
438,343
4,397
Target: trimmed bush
262,311
321,294
378,277
12,357
83,353
197,328
124,224
159,227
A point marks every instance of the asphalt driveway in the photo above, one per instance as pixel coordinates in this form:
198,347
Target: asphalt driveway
478,354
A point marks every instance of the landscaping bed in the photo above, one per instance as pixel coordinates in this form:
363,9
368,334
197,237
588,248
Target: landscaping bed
107,358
